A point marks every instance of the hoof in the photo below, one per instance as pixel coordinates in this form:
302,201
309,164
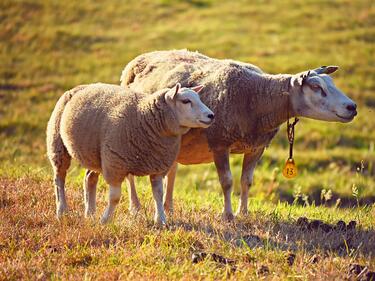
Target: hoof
89,213
161,225
160,221
242,213
168,210
61,211
134,210
228,216
105,220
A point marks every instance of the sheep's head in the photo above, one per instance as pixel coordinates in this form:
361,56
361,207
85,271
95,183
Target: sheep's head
316,96
191,112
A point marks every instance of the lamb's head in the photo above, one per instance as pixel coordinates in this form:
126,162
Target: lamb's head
190,111
314,95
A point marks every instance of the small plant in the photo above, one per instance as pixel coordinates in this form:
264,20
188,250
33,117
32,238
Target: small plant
297,193
355,193
305,199
361,168
338,202
358,185
325,195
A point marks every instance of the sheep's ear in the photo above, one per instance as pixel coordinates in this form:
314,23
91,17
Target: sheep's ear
326,69
177,88
299,79
197,89
172,93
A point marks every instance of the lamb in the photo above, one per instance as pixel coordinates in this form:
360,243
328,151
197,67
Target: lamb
249,106
119,132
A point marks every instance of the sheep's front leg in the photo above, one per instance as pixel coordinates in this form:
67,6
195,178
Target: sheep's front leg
157,191
248,165
168,199
113,200
221,158
134,205
89,184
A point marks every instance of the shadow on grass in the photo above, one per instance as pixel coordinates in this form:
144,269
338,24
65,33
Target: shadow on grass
288,236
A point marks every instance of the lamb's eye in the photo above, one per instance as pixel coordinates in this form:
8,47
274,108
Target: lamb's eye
186,101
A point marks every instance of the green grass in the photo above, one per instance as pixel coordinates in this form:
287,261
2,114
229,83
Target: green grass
47,47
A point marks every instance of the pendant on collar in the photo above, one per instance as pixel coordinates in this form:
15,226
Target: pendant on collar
290,169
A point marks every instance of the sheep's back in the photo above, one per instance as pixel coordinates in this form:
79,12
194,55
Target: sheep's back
156,70
235,117
153,71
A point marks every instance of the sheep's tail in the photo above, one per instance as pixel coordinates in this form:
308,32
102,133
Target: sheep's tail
131,70
56,150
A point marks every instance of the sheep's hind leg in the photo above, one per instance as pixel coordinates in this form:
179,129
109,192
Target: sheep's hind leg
134,205
248,166
113,200
168,199
89,184
221,158
157,191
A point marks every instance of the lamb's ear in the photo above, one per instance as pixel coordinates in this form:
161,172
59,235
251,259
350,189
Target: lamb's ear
171,94
326,69
197,89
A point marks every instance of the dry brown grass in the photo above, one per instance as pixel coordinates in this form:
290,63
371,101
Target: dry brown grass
35,245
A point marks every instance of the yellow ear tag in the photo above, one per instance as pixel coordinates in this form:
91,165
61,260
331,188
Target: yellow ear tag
290,169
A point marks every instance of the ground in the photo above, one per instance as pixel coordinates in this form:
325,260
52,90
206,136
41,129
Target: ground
47,47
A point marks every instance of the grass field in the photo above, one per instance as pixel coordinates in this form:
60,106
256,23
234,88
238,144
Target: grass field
47,47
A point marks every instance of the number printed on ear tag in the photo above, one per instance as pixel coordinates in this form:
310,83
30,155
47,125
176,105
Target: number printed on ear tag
290,169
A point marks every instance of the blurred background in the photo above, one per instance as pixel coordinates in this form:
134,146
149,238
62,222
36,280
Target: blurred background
48,47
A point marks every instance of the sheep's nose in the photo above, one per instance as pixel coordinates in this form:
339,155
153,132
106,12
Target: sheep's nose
211,116
351,107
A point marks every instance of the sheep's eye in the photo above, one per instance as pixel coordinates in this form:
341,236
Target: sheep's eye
186,101
315,87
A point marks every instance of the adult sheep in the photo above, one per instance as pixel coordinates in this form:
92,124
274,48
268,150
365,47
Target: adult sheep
119,132
249,106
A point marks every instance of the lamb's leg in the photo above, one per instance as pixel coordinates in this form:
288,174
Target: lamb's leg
89,184
60,160
61,205
134,205
221,158
157,191
248,165
113,200
168,199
